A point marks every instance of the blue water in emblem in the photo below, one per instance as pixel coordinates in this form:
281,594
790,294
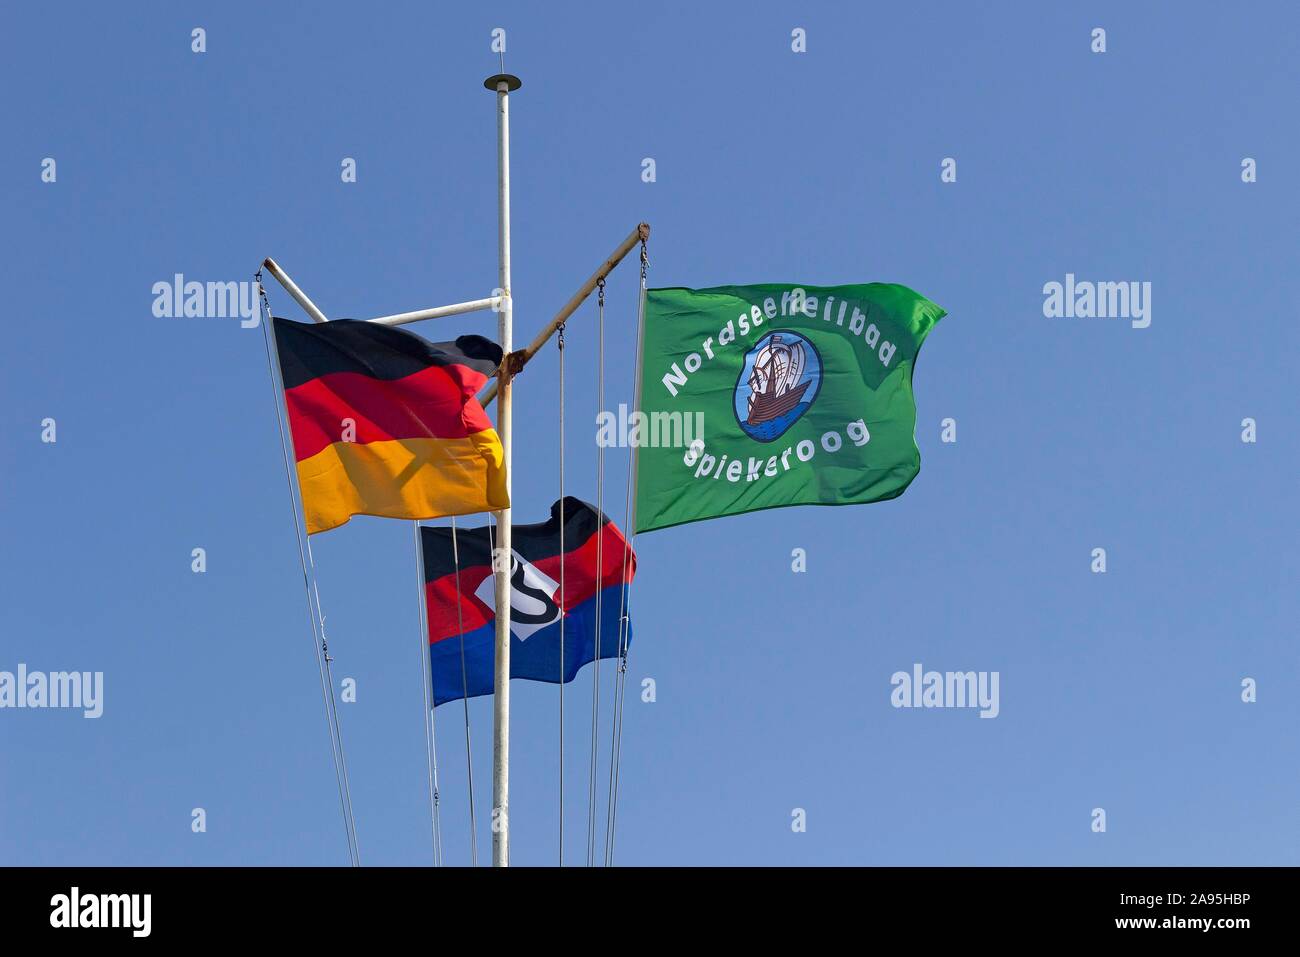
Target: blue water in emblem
773,428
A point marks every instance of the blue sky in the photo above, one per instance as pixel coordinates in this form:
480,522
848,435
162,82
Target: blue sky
1119,691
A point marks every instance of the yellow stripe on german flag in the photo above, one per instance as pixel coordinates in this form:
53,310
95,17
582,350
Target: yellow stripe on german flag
386,423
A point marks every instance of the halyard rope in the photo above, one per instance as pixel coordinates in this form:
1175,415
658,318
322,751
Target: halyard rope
314,614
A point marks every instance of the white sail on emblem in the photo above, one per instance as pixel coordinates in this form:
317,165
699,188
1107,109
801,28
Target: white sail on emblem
774,382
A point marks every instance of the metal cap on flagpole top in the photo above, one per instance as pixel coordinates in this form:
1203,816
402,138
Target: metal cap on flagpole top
512,82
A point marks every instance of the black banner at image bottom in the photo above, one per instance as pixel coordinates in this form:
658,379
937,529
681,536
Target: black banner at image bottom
87,906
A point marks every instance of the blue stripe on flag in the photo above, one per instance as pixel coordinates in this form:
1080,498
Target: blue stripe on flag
537,658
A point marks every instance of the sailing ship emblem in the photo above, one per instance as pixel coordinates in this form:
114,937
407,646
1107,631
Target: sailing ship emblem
780,380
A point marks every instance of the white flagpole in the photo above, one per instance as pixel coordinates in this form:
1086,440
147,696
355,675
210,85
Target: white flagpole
502,84
456,309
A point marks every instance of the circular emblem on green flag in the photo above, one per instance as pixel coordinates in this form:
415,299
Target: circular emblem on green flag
778,383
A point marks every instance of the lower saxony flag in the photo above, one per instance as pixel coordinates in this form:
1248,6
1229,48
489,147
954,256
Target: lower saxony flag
386,423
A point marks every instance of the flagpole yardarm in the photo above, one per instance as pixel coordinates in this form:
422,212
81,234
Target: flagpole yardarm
640,234
292,289
438,312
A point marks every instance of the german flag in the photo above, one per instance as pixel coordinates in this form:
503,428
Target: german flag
386,423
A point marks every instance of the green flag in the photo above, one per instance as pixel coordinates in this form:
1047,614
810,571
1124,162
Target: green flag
757,397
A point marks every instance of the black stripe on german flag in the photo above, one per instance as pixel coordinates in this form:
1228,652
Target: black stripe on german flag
310,350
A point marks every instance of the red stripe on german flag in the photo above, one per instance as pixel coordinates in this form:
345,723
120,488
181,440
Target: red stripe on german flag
436,403
386,423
